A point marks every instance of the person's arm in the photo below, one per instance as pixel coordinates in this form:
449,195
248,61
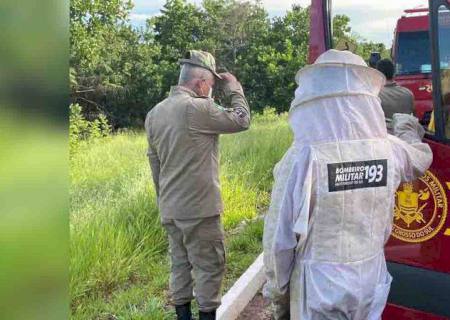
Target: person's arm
412,155
211,118
152,154
286,222
155,166
278,295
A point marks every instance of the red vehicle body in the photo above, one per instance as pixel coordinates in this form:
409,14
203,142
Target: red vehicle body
418,251
412,32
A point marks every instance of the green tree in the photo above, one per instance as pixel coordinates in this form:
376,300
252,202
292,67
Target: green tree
341,28
365,48
113,68
343,31
268,67
122,72
178,28
233,27
237,35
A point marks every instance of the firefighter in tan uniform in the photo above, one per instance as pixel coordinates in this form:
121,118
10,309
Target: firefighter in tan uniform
183,134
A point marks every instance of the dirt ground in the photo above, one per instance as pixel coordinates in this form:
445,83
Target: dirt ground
257,309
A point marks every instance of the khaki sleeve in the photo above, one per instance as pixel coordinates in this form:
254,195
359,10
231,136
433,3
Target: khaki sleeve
152,154
155,166
210,118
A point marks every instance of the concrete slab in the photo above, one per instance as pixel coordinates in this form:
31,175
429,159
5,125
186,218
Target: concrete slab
242,292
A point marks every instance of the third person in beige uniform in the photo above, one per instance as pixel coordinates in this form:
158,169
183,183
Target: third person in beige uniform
394,98
183,134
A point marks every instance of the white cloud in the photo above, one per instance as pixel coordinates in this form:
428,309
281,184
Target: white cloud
138,17
282,5
147,6
381,4
373,20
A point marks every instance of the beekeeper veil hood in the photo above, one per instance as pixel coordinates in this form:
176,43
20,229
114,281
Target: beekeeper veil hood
337,99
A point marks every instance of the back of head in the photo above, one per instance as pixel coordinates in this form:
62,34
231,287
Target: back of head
190,74
386,67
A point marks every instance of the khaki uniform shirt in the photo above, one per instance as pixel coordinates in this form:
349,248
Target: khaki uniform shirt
183,132
396,99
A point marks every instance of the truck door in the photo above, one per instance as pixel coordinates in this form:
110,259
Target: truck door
418,251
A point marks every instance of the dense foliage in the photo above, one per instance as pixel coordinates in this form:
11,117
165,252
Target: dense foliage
123,72
82,131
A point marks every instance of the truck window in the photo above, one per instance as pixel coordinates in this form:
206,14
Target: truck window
444,55
413,53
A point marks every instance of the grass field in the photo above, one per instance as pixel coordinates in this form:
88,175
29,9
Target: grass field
119,265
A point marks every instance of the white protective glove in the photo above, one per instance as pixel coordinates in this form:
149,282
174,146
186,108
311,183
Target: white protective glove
407,128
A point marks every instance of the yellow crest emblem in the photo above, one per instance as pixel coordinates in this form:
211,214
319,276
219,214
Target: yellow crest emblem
420,209
407,206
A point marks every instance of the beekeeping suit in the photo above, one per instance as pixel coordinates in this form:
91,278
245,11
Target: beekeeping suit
332,202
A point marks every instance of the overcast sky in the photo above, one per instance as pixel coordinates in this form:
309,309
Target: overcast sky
374,20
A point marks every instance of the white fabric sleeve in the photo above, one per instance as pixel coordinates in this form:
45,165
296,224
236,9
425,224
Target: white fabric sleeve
280,240
285,241
407,128
281,174
413,157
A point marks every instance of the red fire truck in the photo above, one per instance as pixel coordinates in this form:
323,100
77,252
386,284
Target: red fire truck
418,251
412,57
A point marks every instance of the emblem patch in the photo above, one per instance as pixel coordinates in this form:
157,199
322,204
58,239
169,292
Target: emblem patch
420,209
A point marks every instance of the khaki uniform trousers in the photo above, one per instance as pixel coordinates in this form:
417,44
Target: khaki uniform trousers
197,253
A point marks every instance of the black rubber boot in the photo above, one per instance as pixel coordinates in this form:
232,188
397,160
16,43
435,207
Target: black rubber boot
184,312
211,315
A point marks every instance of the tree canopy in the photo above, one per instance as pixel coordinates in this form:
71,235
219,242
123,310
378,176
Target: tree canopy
122,71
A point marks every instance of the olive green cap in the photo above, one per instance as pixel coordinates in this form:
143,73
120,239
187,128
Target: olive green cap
201,59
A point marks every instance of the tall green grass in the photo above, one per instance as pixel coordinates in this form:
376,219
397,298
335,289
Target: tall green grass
119,267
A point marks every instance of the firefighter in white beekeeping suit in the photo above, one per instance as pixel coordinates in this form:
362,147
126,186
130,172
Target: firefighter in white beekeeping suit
333,199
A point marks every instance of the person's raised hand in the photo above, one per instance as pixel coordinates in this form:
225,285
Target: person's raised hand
228,77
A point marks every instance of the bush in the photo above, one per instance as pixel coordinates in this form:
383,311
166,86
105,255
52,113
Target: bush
82,130
268,115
